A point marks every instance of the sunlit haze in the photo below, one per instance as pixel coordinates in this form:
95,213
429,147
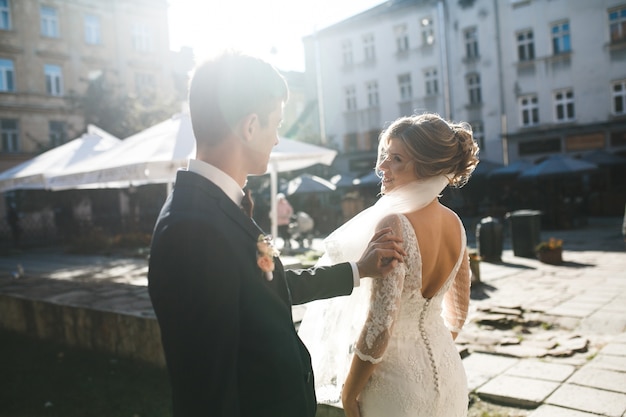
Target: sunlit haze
272,29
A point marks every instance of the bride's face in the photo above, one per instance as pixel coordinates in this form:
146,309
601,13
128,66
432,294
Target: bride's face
396,166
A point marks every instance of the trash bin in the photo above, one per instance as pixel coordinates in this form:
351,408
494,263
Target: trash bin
489,239
525,231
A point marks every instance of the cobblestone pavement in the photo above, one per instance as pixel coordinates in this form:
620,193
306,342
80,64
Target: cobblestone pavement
549,340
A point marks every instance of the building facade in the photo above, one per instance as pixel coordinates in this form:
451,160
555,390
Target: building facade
50,51
532,77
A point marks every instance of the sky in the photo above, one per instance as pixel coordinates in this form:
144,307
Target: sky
270,29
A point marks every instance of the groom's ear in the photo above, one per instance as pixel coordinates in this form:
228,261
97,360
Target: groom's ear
246,128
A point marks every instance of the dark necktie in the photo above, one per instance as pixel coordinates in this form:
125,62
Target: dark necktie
247,205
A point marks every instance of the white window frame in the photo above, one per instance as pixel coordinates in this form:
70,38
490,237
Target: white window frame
369,49
142,37
564,110
402,38
618,97
346,52
54,79
470,38
372,93
617,24
7,76
561,40
529,110
350,98
525,45
431,81
93,35
427,30
5,15
10,136
474,92
49,22
405,86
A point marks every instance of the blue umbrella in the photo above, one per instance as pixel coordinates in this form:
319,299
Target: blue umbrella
369,179
602,157
484,167
513,169
307,183
558,165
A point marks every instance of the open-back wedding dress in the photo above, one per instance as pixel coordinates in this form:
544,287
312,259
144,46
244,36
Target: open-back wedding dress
419,372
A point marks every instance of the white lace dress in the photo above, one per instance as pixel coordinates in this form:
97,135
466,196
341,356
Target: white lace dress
419,372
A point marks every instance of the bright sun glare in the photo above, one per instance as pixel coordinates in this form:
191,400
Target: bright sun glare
271,29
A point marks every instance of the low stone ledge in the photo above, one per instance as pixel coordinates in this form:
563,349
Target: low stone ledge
119,334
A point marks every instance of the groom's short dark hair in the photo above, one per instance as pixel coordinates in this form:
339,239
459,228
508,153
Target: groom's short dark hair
229,87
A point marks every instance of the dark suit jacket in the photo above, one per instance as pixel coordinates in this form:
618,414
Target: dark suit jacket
229,340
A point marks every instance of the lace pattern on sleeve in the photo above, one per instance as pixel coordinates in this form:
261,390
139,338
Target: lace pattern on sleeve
456,298
384,305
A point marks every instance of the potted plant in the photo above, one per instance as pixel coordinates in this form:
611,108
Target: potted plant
550,252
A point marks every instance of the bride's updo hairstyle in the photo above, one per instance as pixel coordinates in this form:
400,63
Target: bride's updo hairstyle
436,146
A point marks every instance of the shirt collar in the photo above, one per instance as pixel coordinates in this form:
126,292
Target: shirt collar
226,183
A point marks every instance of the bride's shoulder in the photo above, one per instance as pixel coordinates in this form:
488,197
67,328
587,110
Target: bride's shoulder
394,221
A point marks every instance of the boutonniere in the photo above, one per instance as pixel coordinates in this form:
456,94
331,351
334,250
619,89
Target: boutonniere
265,255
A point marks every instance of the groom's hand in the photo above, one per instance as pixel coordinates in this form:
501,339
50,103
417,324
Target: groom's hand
382,254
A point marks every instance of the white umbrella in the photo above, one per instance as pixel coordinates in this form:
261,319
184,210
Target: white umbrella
151,156
37,172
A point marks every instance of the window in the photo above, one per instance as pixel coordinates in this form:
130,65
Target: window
473,89
478,132
351,143
58,133
368,47
564,105
92,30
5,15
9,133
402,38
432,84
619,97
529,108
142,38
406,89
471,43
346,50
54,80
350,94
525,46
372,93
6,75
617,24
560,38
428,32
49,22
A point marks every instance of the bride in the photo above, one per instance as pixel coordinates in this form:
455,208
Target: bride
388,349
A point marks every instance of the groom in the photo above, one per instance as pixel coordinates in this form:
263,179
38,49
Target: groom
222,299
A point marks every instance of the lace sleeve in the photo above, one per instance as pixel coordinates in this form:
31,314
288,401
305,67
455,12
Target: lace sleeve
384,304
456,299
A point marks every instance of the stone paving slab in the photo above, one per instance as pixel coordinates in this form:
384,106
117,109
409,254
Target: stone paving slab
535,369
615,349
481,367
591,400
552,411
609,362
600,378
517,391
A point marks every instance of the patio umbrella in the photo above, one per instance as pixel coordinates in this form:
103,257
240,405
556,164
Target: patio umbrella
370,179
604,158
343,180
307,183
511,170
35,173
557,165
484,167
